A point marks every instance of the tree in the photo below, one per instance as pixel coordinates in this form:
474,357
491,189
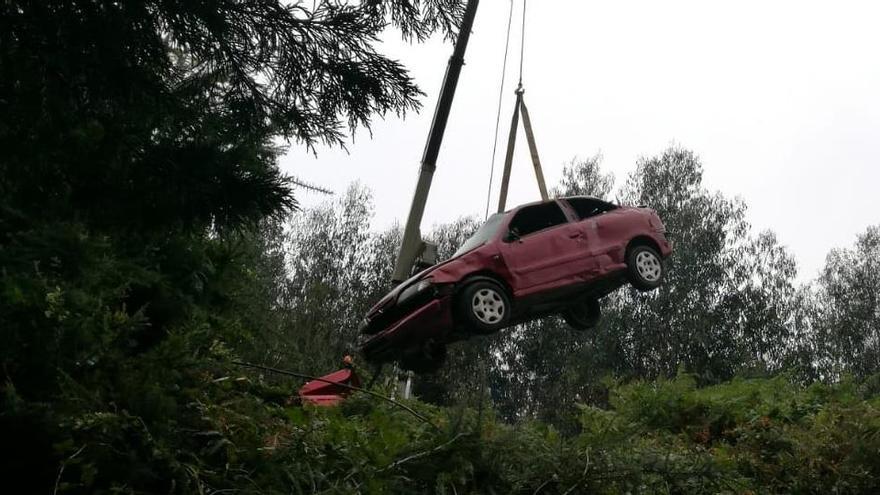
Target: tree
336,270
139,203
161,114
846,319
723,306
584,177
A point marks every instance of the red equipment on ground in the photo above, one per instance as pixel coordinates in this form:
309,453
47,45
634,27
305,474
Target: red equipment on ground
331,389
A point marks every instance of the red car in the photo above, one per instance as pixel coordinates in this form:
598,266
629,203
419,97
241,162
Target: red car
554,257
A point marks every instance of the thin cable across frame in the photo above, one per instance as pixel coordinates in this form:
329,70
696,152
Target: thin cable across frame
498,112
522,44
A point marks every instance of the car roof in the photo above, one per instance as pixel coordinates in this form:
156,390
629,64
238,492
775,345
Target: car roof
577,196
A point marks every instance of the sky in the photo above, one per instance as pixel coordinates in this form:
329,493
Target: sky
780,100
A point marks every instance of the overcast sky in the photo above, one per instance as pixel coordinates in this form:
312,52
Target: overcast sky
780,99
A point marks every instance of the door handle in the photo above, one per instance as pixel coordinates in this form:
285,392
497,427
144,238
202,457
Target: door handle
574,235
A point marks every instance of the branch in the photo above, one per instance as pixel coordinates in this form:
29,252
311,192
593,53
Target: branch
63,465
554,478
422,454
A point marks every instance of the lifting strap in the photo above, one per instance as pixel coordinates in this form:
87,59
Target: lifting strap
511,145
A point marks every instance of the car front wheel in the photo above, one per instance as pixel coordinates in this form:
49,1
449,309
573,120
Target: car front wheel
583,315
645,268
484,307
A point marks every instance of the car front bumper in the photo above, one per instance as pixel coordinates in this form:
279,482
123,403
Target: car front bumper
431,320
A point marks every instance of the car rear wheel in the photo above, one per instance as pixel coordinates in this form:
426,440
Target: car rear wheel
484,306
645,268
583,315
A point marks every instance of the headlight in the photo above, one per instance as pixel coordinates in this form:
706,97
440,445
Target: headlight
415,289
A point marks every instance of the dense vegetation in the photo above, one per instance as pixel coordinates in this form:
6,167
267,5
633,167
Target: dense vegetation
147,240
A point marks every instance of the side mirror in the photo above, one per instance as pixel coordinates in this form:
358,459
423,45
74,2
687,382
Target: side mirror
511,236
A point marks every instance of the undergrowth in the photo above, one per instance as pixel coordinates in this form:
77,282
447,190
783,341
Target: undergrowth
239,434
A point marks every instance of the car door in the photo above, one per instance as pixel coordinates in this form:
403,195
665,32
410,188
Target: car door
542,248
595,222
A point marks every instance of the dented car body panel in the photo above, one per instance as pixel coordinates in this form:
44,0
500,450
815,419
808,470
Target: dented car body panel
545,255
430,321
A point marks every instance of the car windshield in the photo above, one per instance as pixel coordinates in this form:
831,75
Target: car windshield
482,235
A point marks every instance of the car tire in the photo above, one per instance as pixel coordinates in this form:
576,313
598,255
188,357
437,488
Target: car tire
583,315
483,306
645,267
427,359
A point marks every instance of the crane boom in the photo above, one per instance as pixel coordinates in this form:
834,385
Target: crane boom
412,247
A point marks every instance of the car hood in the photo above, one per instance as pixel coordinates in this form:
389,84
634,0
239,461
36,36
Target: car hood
449,271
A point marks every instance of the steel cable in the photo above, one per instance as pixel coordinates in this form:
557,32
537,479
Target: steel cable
498,113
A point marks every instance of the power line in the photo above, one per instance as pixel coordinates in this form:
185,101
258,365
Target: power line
498,114
522,45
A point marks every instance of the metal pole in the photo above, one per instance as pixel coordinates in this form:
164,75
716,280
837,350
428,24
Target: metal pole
412,245
407,388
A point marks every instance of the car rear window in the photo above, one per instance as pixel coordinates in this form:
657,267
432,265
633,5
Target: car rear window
589,207
535,218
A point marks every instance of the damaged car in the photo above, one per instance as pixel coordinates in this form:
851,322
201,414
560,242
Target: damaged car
554,257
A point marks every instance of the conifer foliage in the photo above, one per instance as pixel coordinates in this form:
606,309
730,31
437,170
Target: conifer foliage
166,113
139,194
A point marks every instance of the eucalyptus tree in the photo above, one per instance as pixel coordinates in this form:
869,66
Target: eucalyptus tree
584,176
728,294
846,319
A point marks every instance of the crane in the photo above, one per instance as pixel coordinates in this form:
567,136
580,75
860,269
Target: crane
415,253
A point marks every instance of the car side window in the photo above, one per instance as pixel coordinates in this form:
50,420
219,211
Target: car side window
589,207
532,219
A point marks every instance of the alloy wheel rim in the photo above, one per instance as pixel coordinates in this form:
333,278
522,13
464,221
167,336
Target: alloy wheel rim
648,266
488,306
